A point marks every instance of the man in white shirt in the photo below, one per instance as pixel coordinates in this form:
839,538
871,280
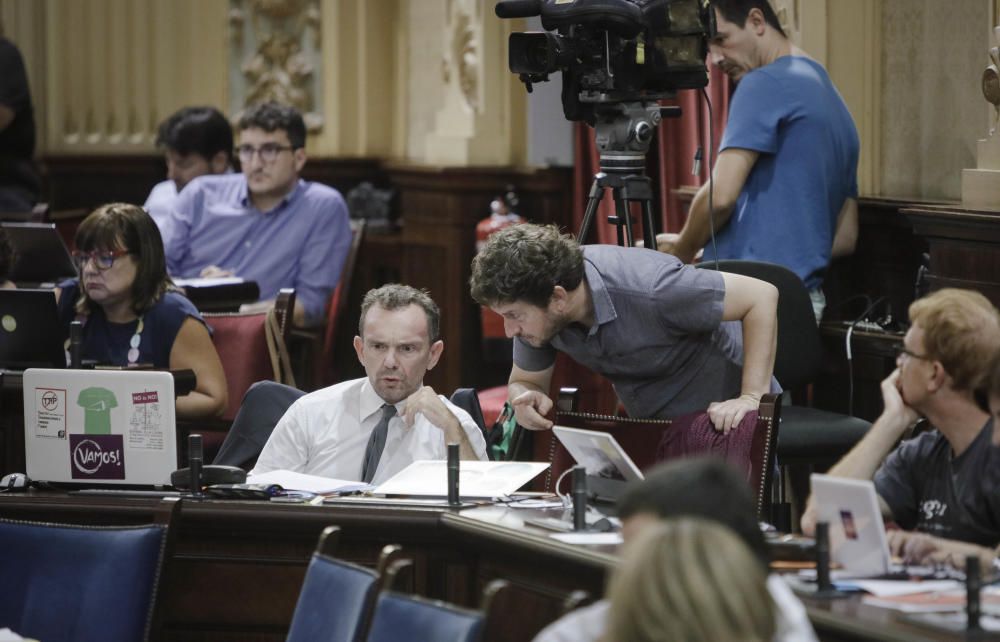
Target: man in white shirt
704,487
369,429
195,141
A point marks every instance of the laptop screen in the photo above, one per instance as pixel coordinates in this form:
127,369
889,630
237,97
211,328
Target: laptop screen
857,531
42,256
96,427
30,335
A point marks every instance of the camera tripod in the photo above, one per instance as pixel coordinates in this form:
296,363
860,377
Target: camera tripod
623,133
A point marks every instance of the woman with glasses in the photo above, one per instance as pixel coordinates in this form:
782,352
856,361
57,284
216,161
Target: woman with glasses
130,310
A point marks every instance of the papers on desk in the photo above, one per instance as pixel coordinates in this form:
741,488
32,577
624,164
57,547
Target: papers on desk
207,283
897,588
309,483
937,601
594,539
475,478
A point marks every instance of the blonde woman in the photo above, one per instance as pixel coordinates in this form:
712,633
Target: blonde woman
689,580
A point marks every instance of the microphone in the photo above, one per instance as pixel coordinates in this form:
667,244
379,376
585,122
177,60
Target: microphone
75,345
579,498
824,587
453,496
973,582
518,8
195,457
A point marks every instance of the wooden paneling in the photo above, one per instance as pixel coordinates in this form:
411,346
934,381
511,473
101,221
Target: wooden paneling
86,181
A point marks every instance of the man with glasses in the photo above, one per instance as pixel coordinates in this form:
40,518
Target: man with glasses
266,224
932,483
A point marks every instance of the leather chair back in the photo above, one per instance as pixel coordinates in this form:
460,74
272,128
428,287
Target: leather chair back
335,600
66,583
799,355
242,343
749,446
405,617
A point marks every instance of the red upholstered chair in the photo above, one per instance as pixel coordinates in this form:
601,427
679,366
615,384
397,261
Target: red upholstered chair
314,347
250,351
750,446
491,400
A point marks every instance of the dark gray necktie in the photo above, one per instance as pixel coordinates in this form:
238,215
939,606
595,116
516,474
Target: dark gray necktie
376,443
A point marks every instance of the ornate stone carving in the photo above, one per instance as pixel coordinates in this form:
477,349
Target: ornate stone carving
461,59
276,55
788,17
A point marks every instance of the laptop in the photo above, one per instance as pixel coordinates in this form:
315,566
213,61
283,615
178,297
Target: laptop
609,468
30,334
857,532
100,427
42,257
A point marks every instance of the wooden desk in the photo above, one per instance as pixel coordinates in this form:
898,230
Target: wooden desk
237,566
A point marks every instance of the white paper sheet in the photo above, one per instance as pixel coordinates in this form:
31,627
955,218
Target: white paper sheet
209,282
889,588
593,539
475,478
311,483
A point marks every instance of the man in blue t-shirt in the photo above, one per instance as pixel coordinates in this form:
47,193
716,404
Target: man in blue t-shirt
785,182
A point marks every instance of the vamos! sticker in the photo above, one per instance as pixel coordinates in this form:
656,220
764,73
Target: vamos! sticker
97,456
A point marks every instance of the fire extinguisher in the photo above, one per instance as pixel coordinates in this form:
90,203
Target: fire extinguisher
502,215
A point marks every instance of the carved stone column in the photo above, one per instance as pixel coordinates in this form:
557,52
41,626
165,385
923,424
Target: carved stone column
475,124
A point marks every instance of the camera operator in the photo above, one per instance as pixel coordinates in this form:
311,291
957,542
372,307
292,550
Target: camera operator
785,182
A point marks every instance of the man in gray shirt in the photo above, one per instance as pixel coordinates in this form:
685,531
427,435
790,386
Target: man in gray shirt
667,335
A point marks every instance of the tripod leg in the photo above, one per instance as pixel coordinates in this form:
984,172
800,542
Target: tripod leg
648,228
624,216
593,200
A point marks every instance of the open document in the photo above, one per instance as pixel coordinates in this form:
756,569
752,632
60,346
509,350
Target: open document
308,483
475,478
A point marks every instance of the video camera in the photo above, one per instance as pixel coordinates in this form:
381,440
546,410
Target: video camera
612,51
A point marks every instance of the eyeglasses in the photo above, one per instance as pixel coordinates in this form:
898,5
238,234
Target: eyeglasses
268,152
903,352
103,260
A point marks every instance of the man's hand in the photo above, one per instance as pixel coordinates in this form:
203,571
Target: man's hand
426,401
215,272
727,414
669,242
912,547
921,548
808,521
666,241
895,406
530,409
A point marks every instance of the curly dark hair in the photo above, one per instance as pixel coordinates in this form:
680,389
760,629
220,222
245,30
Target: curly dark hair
272,116
525,263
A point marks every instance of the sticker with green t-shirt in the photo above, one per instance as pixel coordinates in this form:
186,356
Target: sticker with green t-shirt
97,404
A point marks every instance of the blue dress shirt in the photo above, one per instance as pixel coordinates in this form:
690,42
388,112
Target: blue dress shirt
300,243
